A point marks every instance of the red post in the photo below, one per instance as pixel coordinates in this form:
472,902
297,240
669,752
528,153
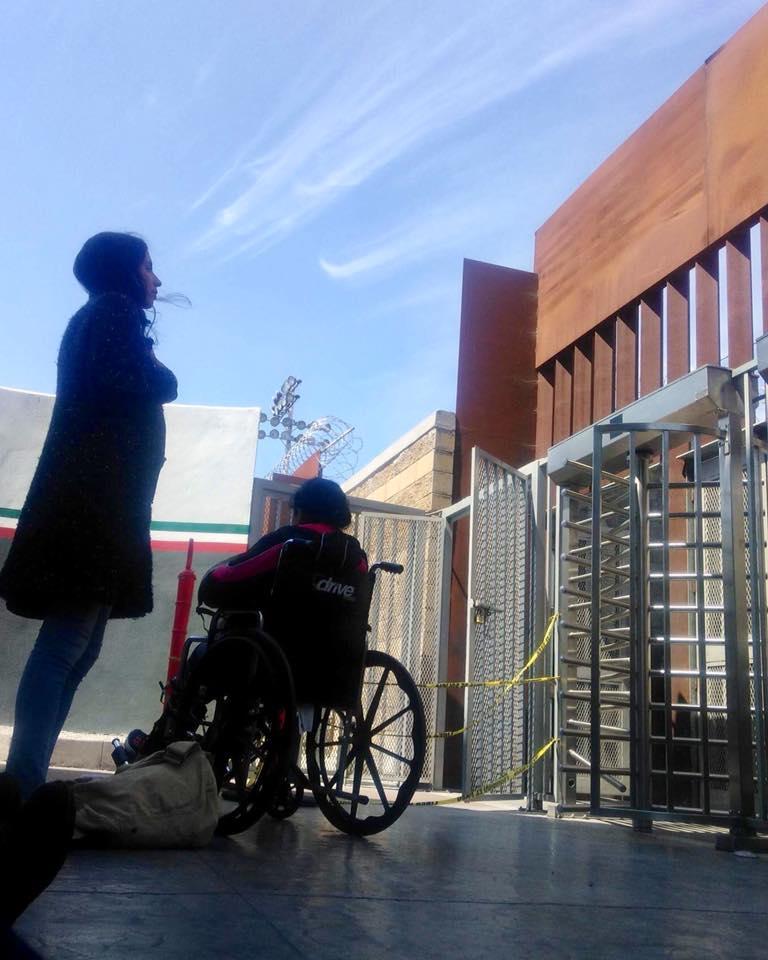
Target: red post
184,594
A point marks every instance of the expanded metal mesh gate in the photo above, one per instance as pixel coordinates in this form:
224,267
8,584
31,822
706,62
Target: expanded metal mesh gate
499,624
406,611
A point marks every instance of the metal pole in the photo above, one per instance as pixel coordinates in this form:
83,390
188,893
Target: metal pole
757,585
562,794
738,721
538,726
442,656
701,623
638,636
468,704
594,704
665,570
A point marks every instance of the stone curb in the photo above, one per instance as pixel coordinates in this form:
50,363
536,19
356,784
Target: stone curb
87,751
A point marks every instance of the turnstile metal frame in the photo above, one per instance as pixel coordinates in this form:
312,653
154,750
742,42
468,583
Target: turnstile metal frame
742,476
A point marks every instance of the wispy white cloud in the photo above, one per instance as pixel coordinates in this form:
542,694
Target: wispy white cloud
394,94
424,233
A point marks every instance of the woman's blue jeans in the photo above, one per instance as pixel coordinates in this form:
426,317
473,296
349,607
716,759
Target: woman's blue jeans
65,650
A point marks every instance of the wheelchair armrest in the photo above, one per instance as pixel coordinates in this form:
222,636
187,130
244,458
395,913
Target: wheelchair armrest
387,567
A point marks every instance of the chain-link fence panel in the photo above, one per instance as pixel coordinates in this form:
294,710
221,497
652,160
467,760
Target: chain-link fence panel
406,608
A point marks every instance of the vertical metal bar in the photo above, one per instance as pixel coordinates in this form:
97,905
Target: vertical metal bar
762,532
411,631
539,733
754,511
468,702
701,621
638,636
442,654
562,794
551,539
669,741
635,616
594,712
738,720
762,527
528,599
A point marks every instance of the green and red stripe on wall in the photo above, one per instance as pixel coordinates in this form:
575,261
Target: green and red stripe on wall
208,537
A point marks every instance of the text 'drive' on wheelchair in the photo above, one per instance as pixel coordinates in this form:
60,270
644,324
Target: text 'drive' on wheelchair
301,661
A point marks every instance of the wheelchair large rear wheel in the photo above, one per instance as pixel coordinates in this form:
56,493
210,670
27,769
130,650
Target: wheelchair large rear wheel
364,764
242,694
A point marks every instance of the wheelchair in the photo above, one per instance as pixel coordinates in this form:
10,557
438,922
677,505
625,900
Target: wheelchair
257,682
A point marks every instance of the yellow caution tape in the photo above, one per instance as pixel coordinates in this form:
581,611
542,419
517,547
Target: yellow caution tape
513,681
489,787
505,682
538,651
455,733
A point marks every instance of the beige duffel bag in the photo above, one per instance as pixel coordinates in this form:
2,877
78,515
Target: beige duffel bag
168,799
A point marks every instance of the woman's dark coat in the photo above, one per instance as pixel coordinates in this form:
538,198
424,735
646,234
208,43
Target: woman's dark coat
83,534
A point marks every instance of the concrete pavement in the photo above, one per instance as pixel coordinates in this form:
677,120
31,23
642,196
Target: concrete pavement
463,882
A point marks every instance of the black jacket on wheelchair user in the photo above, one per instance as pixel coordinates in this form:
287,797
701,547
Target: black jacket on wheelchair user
312,585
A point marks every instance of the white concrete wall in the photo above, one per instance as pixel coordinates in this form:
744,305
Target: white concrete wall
204,493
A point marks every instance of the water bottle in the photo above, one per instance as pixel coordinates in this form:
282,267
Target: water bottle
119,754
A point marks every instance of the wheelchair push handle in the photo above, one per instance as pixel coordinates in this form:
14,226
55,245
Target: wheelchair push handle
387,567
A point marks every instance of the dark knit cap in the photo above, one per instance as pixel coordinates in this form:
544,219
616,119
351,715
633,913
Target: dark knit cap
109,263
323,501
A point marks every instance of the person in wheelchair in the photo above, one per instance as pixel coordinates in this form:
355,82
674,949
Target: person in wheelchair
310,582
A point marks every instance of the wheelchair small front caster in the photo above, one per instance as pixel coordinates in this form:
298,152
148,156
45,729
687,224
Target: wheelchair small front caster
287,799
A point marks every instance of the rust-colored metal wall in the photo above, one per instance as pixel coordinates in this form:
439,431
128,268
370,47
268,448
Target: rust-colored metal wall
496,388
632,273
687,177
495,410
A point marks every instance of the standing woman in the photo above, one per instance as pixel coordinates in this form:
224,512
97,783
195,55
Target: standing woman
81,553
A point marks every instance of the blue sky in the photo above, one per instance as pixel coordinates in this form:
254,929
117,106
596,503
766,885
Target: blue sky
312,174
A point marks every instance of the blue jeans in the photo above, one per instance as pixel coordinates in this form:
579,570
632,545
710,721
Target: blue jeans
65,650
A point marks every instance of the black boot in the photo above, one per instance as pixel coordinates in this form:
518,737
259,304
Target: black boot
10,797
33,846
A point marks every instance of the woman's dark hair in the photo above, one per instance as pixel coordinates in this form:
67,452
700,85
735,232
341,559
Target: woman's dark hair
322,501
109,263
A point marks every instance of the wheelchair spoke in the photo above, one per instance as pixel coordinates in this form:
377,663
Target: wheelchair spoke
374,771
361,786
342,773
400,713
376,698
390,753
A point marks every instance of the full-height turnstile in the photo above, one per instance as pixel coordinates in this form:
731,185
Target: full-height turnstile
661,593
